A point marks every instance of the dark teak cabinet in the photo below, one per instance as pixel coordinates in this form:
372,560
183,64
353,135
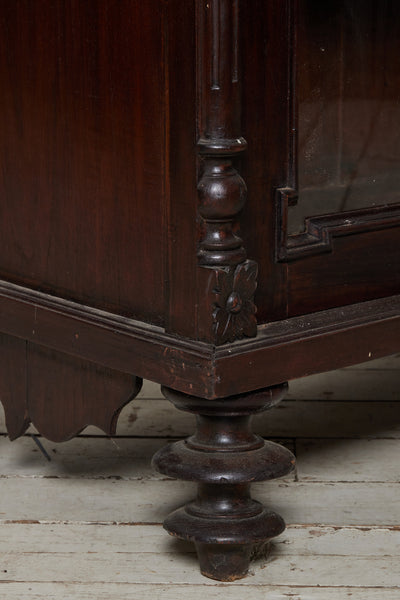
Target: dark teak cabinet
205,194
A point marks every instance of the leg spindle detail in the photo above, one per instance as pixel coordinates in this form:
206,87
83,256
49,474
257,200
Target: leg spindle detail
224,456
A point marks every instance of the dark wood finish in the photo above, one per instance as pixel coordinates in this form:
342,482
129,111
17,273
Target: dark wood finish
66,394
82,118
107,339
222,192
59,393
224,457
139,230
267,164
13,384
320,231
311,283
181,228
344,91
320,342
226,307
198,368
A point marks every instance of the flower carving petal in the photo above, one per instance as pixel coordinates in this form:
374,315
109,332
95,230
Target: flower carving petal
234,310
223,287
245,279
222,320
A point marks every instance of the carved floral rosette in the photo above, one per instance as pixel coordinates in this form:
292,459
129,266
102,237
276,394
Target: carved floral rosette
234,314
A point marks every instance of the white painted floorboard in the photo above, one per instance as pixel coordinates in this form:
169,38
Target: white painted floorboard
86,525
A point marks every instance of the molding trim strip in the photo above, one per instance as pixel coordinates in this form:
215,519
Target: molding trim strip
283,350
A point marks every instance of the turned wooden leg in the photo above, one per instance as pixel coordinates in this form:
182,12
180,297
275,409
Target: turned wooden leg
224,456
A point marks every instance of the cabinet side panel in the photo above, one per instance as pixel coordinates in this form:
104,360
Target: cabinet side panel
182,228
82,111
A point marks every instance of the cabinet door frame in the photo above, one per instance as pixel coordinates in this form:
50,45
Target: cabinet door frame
320,230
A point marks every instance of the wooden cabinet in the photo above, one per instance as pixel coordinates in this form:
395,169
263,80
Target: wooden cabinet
201,193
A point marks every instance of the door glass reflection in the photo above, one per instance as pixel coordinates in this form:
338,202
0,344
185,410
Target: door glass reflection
348,94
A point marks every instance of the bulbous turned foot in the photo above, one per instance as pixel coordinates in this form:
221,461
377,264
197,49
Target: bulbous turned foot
224,562
225,541
225,457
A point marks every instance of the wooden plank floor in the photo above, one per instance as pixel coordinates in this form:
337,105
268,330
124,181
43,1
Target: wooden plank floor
86,524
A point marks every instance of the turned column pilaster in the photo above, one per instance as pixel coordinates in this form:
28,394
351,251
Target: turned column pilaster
227,281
